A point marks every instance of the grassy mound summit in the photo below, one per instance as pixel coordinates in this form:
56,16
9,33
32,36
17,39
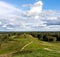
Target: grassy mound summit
16,43
25,45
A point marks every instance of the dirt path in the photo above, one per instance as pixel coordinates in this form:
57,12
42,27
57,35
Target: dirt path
10,54
48,49
25,46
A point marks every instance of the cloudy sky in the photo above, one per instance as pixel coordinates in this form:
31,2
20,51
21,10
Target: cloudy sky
29,15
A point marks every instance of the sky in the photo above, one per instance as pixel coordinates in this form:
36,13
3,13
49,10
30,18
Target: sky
29,15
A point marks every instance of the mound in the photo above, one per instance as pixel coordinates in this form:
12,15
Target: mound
17,43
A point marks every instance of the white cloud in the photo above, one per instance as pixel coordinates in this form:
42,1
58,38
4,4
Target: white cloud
12,18
4,26
36,8
6,8
0,23
52,18
36,17
10,28
53,28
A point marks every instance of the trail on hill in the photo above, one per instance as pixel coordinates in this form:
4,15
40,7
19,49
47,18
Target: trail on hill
26,46
11,53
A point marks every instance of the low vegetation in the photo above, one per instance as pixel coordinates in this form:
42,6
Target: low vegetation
30,44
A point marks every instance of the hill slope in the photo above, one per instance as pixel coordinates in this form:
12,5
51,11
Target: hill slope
25,45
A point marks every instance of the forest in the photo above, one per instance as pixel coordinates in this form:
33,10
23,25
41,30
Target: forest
44,36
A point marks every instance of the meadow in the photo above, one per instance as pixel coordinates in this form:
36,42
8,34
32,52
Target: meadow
30,44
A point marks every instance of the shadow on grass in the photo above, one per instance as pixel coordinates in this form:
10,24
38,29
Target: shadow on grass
23,52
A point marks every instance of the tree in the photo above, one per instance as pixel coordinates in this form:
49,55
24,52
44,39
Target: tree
3,38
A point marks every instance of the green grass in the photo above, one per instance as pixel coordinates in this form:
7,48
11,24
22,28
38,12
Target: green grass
16,44
36,49
39,51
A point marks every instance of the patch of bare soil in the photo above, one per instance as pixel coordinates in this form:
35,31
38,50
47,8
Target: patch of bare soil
47,49
58,51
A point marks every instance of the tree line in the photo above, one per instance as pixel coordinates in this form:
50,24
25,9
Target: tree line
44,36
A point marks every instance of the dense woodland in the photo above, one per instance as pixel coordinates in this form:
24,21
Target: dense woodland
44,36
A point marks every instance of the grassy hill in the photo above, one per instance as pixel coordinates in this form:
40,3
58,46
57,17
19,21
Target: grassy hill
36,49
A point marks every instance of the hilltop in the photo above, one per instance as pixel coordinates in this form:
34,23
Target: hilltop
25,45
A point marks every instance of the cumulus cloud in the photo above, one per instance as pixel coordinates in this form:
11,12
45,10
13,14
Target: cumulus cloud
9,14
34,19
6,8
36,8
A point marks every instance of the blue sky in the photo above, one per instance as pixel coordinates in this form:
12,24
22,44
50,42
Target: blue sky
51,4
48,4
29,15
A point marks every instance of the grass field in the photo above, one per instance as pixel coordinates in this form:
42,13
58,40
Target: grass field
43,50
36,49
